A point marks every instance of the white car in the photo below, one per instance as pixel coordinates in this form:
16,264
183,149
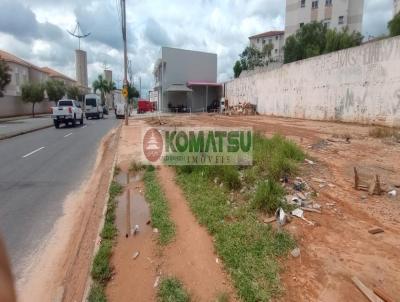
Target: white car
67,112
93,107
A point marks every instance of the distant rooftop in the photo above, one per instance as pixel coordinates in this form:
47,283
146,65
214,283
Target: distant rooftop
14,59
268,34
55,73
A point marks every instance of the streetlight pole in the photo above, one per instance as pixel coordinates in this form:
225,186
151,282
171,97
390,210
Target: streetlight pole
123,12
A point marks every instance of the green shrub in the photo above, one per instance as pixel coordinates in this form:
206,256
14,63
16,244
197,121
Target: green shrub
172,290
97,293
268,196
101,270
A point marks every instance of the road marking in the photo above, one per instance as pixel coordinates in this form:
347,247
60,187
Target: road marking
68,134
34,151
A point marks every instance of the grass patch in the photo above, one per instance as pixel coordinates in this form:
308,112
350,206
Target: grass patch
97,293
269,195
249,248
158,207
384,132
172,290
101,271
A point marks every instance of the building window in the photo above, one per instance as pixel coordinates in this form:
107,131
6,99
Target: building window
301,24
328,2
314,5
303,3
270,41
17,79
341,20
276,51
276,38
258,40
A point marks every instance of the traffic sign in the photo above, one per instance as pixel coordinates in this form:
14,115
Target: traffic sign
125,92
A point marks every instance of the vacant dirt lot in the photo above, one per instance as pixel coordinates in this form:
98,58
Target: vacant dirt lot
338,246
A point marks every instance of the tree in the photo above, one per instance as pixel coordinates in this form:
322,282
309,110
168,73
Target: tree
267,51
394,25
341,40
250,58
101,84
132,92
73,92
5,76
32,93
315,38
55,90
237,69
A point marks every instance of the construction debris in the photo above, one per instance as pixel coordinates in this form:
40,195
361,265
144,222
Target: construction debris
135,255
281,216
295,253
368,293
269,220
374,187
242,109
383,295
156,282
392,193
374,231
310,162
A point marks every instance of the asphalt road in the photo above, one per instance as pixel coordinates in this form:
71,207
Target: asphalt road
37,171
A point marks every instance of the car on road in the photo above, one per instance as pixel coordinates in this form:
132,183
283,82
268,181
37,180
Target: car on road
67,112
120,110
93,106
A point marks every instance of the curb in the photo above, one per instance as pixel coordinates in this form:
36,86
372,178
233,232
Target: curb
24,132
89,280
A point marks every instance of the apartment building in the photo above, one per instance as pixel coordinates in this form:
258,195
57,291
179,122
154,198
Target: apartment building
54,74
396,6
334,13
275,38
185,80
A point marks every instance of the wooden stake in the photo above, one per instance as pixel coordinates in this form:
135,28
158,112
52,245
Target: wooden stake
366,291
381,294
356,179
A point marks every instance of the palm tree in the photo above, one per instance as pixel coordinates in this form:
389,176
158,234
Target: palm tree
103,85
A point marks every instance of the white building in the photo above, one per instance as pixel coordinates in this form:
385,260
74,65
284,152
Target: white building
275,38
335,13
185,80
396,6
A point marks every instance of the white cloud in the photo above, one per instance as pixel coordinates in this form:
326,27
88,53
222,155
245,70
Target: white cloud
38,32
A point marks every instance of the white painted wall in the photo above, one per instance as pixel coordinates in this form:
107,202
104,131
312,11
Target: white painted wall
360,84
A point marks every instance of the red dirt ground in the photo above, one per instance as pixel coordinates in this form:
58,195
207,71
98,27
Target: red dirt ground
339,245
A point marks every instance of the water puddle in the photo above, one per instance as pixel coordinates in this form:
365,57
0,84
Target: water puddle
138,209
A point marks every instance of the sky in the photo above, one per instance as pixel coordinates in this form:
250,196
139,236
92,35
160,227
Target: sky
36,30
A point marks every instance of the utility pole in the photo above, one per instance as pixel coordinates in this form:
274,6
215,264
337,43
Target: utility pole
123,13
140,87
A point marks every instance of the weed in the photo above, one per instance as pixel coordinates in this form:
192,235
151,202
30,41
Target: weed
159,208
268,196
101,270
96,293
136,167
115,189
172,290
249,249
384,132
117,170
222,297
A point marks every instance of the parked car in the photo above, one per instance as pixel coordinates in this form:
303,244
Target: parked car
120,110
93,107
144,106
67,112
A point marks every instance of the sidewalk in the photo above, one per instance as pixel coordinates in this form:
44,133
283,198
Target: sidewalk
10,127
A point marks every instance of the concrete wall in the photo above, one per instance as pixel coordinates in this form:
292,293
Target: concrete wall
13,106
360,84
